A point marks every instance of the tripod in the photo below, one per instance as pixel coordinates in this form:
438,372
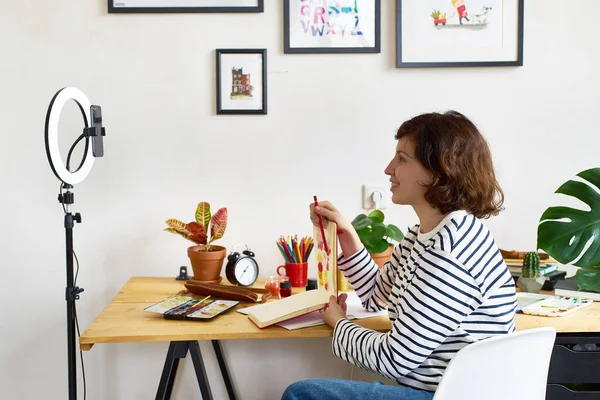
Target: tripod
72,292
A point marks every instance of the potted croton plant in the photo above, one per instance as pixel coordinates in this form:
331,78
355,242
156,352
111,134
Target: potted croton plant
376,236
564,232
205,257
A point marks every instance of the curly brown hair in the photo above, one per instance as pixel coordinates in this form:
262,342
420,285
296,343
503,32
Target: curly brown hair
452,148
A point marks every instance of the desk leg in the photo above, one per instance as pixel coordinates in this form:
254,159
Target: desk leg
200,370
178,350
224,371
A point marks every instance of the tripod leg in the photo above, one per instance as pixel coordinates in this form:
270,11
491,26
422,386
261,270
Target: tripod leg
176,351
70,297
200,370
224,371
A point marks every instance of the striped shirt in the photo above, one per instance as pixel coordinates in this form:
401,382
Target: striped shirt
443,290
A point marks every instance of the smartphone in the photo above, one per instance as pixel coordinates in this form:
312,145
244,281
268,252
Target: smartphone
96,124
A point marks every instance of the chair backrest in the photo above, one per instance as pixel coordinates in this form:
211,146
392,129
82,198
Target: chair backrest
512,366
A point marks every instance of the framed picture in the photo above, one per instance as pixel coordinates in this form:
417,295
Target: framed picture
185,6
332,26
241,81
459,33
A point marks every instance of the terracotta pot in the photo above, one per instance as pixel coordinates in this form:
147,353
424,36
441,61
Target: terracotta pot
382,258
207,265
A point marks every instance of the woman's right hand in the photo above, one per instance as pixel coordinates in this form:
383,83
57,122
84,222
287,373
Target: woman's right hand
347,236
328,212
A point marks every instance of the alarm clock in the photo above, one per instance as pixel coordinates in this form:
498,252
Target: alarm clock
241,269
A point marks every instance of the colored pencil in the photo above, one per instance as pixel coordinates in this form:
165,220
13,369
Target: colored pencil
309,250
281,251
321,226
294,250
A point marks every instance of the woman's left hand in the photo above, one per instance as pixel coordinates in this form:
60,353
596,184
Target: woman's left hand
335,310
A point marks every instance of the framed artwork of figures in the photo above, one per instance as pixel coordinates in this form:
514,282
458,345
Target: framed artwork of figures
459,33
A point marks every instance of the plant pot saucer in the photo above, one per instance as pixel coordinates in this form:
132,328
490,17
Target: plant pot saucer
219,279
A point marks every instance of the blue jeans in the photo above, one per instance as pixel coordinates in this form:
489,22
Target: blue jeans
339,389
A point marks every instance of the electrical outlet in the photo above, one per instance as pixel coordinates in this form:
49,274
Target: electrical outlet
379,192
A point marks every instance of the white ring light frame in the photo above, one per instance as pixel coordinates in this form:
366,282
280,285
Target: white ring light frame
52,150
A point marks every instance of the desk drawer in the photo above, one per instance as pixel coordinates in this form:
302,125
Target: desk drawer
559,392
568,366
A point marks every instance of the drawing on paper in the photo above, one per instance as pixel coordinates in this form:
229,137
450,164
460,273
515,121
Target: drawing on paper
240,85
326,260
460,16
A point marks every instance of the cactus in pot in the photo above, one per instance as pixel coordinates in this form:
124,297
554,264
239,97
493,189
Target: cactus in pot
531,265
531,279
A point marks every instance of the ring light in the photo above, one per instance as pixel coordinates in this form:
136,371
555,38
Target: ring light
52,150
92,132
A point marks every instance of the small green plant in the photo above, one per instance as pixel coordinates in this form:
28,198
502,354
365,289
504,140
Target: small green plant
373,233
531,265
436,14
197,231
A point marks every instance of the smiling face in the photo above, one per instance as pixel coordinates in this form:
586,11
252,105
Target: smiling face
408,177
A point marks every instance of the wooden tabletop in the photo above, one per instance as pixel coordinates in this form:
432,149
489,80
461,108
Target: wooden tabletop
124,320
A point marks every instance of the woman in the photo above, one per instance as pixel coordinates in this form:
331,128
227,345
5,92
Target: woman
446,284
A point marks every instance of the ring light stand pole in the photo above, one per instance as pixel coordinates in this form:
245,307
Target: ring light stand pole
93,130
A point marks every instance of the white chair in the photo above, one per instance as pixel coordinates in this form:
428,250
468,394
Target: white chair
507,367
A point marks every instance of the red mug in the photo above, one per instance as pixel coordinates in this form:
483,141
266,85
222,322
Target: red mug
297,273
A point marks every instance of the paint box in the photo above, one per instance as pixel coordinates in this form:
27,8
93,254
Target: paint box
189,308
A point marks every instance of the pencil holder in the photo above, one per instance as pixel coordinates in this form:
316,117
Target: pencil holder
296,272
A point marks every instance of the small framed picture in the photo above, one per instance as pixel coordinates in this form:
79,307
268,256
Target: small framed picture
241,81
332,26
459,33
185,6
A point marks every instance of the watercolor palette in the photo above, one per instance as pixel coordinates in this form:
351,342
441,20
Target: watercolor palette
189,308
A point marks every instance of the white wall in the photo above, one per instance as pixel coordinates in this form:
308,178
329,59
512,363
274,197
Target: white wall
329,129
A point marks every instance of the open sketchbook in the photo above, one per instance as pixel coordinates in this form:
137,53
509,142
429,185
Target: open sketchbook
355,310
305,302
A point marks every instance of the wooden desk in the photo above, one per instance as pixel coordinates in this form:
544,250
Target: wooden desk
124,320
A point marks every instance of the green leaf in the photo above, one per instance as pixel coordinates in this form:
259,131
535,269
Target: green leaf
394,233
361,221
588,279
376,215
565,241
370,236
378,229
363,235
203,214
379,247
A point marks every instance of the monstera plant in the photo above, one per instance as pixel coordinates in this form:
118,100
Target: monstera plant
564,232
